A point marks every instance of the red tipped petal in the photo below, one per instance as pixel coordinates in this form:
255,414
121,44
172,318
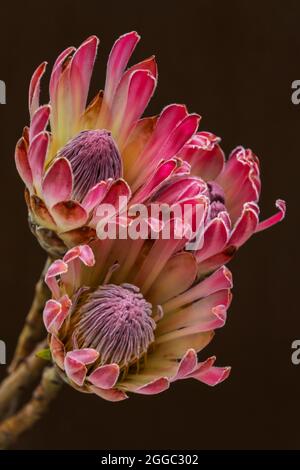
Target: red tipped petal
117,62
105,376
274,219
95,195
22,162
140,89
55,314
187,364
57,351
34,88
57,268
216,237
83,252
245,226
178,275
161,174
170,117
219,280
180,135
80,73
37,156
69,215
113,395
85,356
152,388
204,154
209,374
75,370
39,121
58,182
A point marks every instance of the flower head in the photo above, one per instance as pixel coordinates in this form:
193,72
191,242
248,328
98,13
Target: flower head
93,154
127,321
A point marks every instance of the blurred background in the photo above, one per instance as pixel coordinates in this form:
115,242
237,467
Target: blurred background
233,62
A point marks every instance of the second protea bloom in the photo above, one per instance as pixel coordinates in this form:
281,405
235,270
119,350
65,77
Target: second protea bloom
72,158
135,325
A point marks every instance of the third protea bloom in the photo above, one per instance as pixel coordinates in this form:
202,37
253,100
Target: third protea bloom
91,155
135,326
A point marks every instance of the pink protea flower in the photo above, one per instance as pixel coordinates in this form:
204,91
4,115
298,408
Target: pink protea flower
136,326
93,155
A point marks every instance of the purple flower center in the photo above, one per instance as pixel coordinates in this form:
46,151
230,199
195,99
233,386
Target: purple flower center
94,157
116,321
217,199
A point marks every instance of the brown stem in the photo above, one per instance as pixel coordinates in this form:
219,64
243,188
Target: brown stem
12,387
33,328
46,391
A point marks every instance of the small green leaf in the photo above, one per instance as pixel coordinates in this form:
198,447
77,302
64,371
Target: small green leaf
44,354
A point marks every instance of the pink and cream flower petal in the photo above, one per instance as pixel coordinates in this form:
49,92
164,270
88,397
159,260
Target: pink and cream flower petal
161,175
75,370
214,262
180,189
36,156
86,356
117,62
216,236
163,362
153,388
203,315
95,195
22,163
81,69
159,254
274,219
58,182
180,135
89,117
204,154
83,252
57,351
117,197
187,365
245,226
76,274
170,117
34,88
219,280
60,100
112,394
122,93
105,377
240,180
176,277
41,213
69,215
209,374
136,142
57,268
39,121
55,313
176,348
140,90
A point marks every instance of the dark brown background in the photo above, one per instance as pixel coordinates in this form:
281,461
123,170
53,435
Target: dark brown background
233,62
